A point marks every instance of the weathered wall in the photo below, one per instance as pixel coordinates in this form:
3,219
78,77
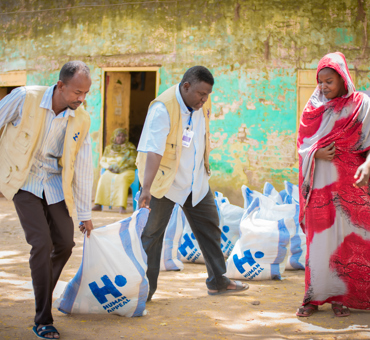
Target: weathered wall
253,48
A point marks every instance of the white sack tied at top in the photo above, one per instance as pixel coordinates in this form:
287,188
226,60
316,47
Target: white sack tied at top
261,251
112,276
297,248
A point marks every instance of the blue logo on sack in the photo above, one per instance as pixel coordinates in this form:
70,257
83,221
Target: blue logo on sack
248,258
226,245
76,136
188,243
194,254
110,289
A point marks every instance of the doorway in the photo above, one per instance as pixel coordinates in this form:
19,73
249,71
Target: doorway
5,90
127,95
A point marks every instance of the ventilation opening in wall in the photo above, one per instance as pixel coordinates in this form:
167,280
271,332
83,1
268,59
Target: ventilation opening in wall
127,95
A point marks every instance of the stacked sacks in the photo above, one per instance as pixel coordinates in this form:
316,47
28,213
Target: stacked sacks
229,216
261,251
170,257
112,276
297,248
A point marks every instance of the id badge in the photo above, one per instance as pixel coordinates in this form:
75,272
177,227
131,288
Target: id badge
187,136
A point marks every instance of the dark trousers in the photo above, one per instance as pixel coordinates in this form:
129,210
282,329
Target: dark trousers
203,220
49,230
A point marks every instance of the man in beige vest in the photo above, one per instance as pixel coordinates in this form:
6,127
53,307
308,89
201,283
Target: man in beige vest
46,169
174,168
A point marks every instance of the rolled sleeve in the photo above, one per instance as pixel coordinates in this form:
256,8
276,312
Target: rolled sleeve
156,129
83,180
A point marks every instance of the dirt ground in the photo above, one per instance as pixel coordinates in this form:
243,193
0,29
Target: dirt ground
181,308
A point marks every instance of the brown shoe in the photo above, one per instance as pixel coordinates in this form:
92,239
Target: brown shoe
97,207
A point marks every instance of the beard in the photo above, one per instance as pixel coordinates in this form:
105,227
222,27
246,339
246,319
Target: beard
74,106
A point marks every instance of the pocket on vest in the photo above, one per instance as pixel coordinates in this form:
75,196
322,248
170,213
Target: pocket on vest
161,175
170,151
22,142
5,171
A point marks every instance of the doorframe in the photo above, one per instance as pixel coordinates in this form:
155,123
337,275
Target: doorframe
121,69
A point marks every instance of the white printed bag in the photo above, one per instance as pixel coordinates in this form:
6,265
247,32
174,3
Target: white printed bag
170,257
189,249
112,276
261,251
230,216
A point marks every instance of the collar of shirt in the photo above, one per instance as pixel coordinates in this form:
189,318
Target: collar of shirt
183,107
46,102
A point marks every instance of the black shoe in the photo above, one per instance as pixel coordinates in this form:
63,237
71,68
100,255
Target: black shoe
149,297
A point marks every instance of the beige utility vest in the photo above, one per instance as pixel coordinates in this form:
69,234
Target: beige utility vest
18,145
172,153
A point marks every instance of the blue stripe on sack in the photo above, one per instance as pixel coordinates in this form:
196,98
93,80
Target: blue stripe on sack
254,204
284,237
296,243
170,234
141,219
72,288
248,196
183,218
289,187
127,245
283,194
267,190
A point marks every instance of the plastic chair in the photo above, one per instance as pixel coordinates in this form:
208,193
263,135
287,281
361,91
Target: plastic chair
135,187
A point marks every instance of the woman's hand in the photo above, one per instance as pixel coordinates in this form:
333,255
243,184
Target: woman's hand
326,153
362,175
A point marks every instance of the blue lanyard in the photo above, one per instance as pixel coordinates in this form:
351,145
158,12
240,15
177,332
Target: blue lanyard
191,115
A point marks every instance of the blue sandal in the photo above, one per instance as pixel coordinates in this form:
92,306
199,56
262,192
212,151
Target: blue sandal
44,330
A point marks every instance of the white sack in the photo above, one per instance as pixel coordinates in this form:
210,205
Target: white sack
170,257
189,249
112,276
261,251
230,216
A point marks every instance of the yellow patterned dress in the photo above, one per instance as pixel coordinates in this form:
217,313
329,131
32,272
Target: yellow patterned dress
113,187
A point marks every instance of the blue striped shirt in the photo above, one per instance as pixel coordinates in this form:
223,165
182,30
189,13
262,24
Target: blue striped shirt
45,176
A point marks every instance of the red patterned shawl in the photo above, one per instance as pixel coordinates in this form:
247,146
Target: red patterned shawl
333,213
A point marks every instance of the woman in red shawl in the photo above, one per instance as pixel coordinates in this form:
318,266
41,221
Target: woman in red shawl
334,168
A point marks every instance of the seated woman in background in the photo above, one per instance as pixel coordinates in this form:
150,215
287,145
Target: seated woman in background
119,161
